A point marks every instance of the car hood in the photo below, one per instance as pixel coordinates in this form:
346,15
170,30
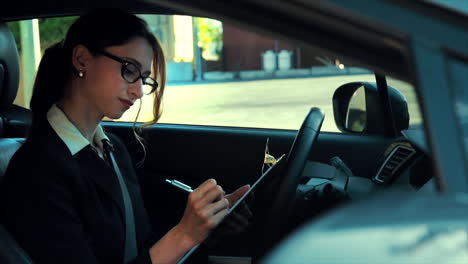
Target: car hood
392,228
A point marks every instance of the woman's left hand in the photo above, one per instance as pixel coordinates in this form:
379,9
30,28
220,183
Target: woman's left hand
237,221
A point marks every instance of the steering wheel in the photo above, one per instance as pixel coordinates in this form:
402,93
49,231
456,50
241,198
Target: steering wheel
281,207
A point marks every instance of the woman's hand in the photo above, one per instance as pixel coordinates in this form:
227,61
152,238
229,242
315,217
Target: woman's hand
239,220
206,208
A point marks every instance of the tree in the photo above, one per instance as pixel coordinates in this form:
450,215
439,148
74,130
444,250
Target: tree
210,37
51,30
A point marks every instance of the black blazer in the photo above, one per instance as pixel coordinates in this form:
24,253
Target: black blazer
69,209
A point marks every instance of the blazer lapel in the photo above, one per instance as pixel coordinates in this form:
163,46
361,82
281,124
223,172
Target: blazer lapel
102,175
90,164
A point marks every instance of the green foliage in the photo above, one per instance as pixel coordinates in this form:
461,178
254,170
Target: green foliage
51,30
210,37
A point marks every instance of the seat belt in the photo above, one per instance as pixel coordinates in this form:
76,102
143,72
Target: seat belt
130,236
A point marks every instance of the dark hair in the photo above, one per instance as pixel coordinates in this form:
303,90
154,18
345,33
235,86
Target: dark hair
96,30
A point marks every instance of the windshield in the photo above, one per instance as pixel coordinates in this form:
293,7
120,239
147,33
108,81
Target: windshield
457,5
458,72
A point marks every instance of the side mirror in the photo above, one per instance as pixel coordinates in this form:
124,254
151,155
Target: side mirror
356,116
357,108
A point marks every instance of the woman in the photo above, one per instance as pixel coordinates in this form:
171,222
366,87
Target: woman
73,201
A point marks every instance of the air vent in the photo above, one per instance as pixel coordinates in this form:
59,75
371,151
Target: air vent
398,156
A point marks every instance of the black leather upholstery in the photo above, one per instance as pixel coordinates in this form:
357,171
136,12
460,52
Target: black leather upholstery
9,69
8,147
1,127
10,252
16,119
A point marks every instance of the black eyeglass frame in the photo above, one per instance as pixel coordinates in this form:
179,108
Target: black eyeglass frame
125,63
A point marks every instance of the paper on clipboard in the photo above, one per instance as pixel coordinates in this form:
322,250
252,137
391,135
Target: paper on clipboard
254,185
232,208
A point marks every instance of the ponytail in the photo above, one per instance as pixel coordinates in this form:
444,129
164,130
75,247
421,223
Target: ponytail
51,78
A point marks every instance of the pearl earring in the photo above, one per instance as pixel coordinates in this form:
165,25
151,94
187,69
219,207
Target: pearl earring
81,74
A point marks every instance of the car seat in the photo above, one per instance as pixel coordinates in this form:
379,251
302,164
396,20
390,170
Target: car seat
10,251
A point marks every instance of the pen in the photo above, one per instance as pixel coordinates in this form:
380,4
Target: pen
178,184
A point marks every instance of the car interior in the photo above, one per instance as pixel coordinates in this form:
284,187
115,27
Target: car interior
377,150
9,143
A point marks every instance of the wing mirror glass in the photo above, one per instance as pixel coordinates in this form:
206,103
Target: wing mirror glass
357,108
356,113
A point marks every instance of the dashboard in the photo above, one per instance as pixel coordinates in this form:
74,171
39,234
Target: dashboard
404,166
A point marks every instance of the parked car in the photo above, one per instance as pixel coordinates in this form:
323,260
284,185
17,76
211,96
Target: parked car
372,117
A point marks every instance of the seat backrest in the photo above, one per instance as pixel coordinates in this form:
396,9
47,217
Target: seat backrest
9,68
8,147
10,252
16,119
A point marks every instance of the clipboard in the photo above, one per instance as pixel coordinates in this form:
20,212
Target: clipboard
252,188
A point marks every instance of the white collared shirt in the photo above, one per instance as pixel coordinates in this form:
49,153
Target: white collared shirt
69,133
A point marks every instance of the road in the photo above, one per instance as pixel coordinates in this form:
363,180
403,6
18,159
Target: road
280,103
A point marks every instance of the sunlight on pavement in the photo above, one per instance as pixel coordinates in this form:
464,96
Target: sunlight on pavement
280,103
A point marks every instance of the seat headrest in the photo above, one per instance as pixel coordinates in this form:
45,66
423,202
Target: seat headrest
9,67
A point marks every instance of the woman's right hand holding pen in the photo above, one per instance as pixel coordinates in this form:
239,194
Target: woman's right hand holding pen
206,208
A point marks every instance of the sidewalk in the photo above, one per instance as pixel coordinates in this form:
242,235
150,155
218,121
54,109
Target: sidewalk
319,71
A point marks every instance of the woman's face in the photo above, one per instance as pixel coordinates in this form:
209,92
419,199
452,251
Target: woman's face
105,89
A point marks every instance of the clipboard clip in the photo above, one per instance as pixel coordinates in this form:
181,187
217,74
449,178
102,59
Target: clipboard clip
269,160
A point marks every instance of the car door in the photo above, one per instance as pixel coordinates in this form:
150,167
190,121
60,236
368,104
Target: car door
239,90
219,126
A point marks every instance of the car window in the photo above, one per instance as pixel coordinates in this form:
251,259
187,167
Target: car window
222,75
411,98
32,38
458,71
457,5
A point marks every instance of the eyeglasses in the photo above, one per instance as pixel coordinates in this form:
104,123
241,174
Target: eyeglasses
131,72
